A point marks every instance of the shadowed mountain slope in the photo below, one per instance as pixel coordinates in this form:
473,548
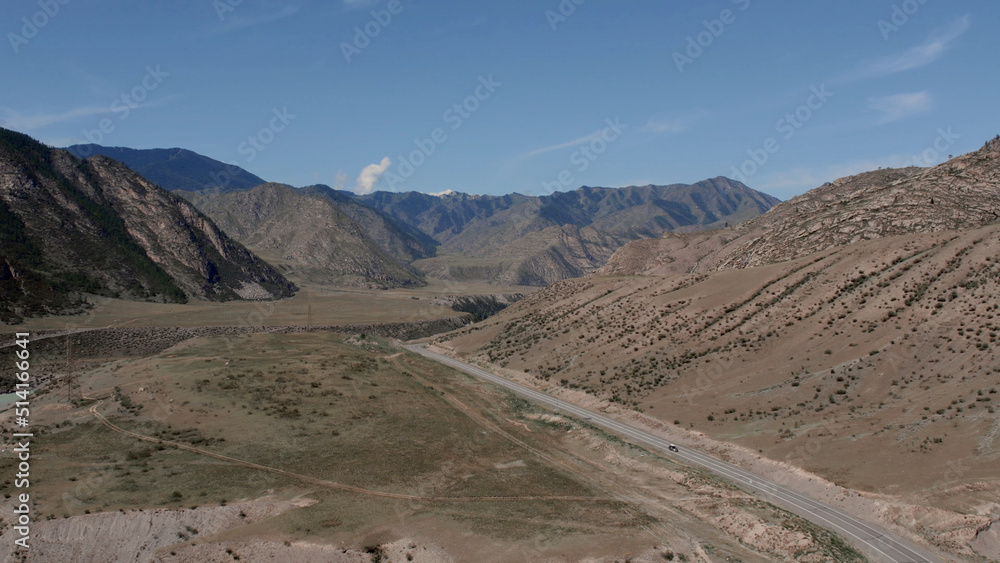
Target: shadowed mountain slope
69,227
175,169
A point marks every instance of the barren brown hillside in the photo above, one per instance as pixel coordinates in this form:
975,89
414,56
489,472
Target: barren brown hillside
873,365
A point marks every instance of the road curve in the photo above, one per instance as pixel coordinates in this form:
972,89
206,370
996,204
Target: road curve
871,539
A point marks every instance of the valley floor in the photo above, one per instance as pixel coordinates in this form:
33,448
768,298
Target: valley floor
313,305
318,446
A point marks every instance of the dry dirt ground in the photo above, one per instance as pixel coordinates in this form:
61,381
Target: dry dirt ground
323,447
316,305
872,367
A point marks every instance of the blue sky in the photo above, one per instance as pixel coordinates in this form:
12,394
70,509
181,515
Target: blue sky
514,96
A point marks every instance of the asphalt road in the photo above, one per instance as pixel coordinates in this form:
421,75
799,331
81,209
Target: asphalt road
872,540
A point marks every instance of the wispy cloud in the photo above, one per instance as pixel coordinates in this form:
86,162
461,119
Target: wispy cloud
901,106
661,125
915,57
567,144
240,21
664,127
18,121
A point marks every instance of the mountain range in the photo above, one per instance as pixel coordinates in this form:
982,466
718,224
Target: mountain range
386,240
69,227
525,240
397,239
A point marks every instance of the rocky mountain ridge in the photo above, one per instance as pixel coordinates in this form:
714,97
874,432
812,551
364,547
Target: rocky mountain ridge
961,193
69,227
524,240
310,236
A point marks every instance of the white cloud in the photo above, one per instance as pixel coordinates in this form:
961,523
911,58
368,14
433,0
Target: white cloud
915,57
901,106
370,176
20,122
239,21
